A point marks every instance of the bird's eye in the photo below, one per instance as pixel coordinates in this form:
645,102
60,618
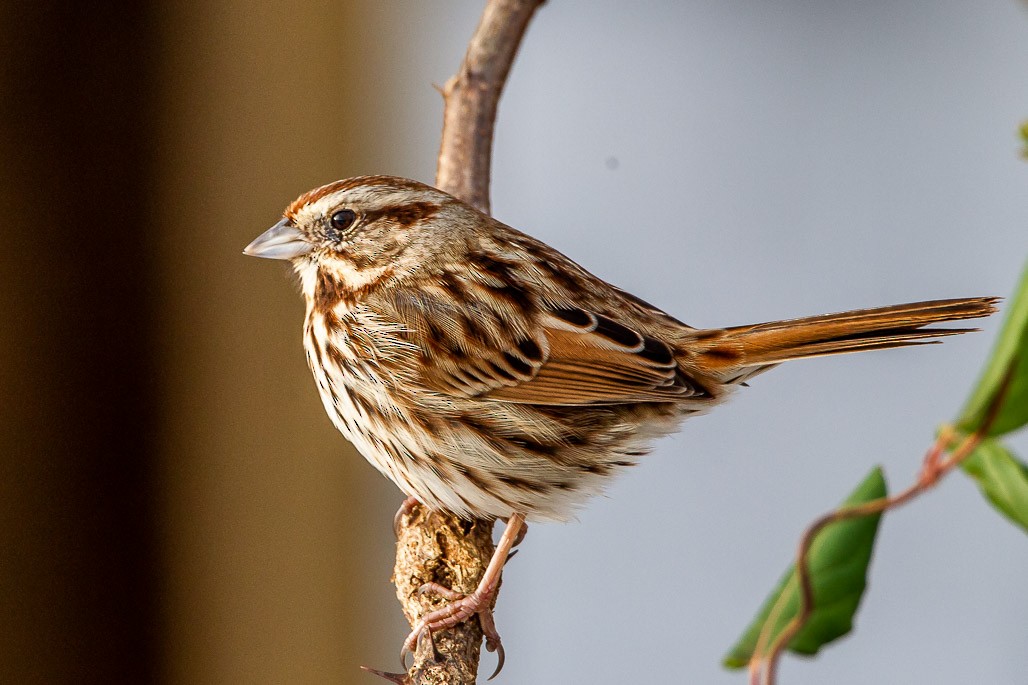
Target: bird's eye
343,219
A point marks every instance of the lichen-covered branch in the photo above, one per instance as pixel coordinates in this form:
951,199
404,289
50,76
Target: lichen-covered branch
440,548
431,546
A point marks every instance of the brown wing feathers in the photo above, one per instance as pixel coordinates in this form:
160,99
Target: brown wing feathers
596,360
573,356
557,356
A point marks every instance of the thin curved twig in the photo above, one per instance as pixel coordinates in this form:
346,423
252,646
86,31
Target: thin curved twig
935,466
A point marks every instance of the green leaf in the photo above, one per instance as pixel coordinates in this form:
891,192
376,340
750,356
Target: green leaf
838,562
1002,478
1011,349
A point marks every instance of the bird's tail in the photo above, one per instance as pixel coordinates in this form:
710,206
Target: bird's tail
726,352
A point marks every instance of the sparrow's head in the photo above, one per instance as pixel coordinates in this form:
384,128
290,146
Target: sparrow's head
361,227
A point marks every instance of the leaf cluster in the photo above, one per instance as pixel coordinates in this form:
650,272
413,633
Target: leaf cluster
838,556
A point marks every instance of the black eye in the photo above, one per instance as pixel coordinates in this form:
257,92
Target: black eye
343,219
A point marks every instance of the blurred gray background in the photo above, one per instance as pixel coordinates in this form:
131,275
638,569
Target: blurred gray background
731,162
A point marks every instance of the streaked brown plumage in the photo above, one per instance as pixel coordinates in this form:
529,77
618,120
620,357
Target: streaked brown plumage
486,373
489,375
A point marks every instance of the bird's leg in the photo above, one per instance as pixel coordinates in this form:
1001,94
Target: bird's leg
480,602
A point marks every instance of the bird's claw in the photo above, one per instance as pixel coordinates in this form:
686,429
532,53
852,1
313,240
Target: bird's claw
492,640
500,657
411,643
405,509
460,609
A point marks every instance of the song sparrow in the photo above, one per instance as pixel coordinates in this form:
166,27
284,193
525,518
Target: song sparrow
490,376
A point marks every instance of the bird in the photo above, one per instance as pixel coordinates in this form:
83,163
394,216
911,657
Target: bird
490,376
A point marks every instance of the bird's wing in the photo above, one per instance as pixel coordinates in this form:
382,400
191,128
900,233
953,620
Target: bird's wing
510,349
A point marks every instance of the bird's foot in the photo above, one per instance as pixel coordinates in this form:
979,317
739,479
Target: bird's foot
478,603
460,609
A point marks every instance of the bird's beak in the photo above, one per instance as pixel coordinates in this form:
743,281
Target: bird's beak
281,241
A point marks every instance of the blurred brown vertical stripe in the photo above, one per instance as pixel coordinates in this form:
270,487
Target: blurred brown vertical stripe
276,545
77,290
174,504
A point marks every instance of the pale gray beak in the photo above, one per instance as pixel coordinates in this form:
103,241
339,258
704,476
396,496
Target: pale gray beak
281,241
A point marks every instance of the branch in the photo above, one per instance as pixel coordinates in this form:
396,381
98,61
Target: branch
471,97
435,547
